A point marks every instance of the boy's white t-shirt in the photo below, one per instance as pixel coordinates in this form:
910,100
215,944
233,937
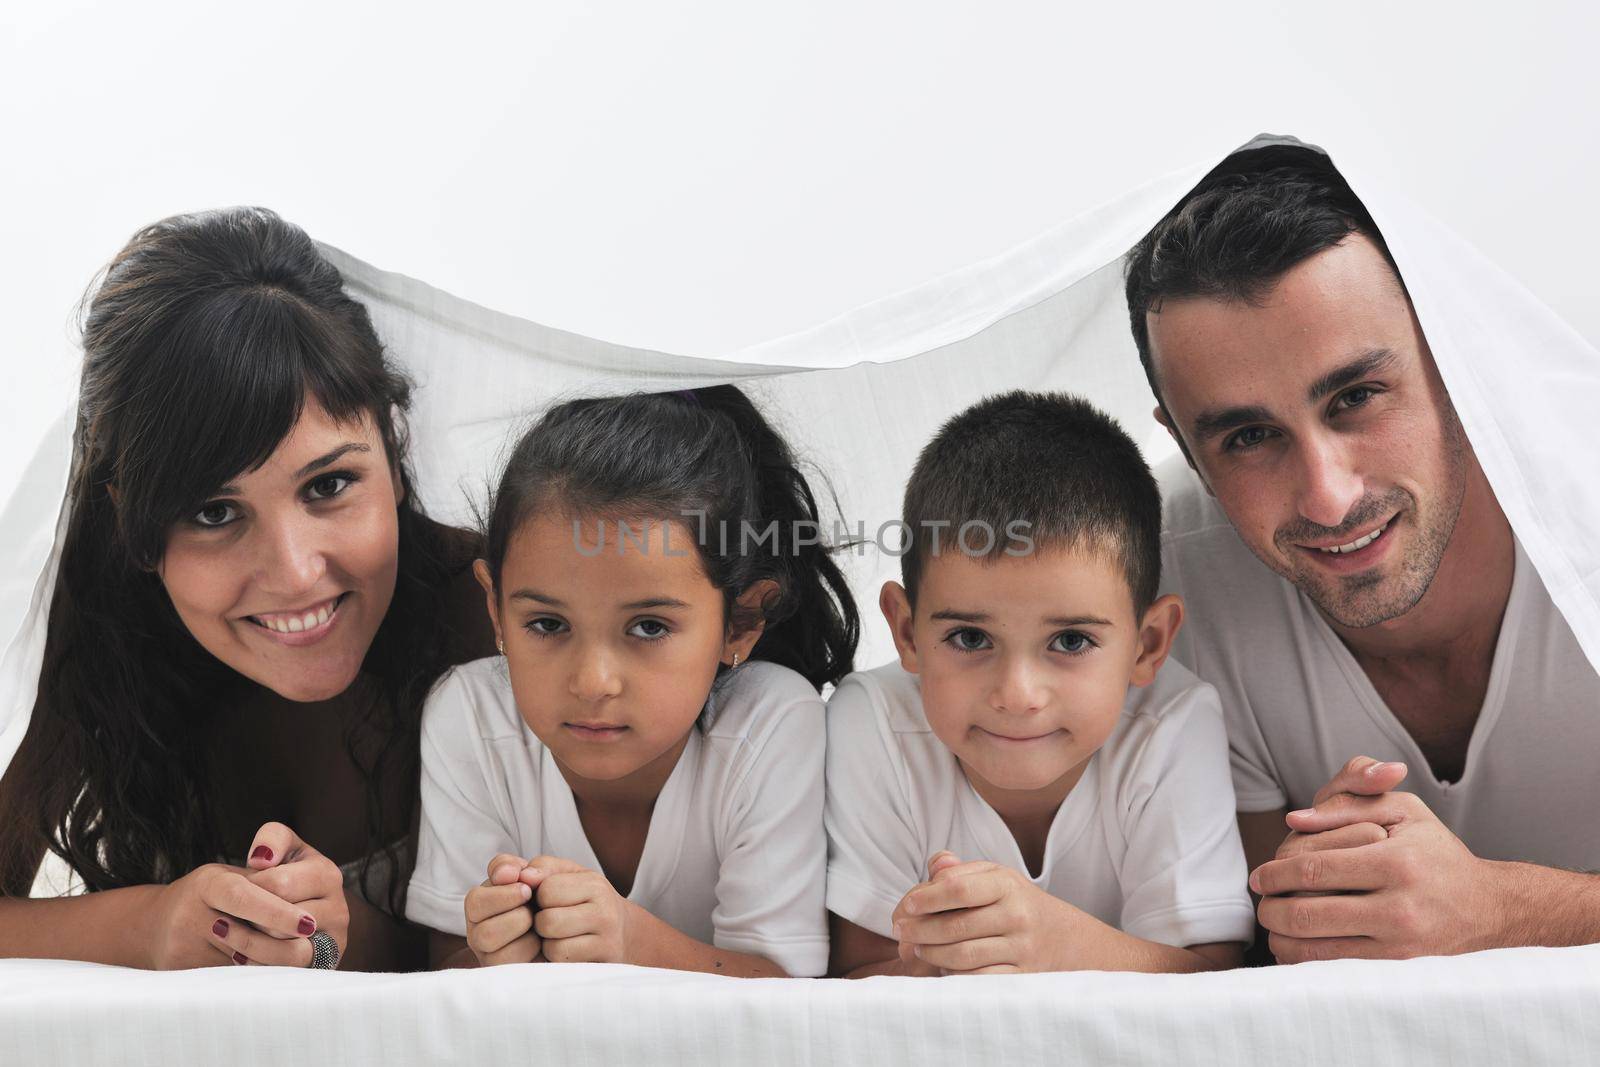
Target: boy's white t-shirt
1299,705
1146,841
735,854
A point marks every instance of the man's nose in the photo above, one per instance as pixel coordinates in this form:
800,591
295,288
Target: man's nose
1329,485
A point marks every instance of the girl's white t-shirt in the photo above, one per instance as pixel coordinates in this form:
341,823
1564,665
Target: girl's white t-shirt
1146,841
735,854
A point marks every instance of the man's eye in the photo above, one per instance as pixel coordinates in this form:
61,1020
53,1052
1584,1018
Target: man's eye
215,514
1072,642
968,640
544,626
1249,437
650,629
328,485
1354,398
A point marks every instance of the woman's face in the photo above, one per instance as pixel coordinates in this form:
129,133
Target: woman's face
287,571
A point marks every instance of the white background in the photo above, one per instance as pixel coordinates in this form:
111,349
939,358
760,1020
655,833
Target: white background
698,177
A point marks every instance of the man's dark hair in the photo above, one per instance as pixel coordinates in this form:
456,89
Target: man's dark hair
1050,460
1252,218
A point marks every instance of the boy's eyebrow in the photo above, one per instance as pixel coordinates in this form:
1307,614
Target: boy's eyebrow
632,605
1079,620
983,616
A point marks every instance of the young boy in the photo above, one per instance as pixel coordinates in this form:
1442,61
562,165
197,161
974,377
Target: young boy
1032,787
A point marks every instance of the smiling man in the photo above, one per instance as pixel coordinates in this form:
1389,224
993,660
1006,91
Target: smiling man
1356,593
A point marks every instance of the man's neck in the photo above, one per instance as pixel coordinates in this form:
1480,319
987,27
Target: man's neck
1459,616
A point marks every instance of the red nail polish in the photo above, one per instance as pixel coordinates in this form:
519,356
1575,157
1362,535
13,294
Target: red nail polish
220,927
239,957
262,853
308,926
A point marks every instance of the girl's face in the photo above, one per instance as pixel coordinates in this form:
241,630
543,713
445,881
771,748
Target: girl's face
286,572
613,642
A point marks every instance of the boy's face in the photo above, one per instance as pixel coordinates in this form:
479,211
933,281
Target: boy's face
1025,661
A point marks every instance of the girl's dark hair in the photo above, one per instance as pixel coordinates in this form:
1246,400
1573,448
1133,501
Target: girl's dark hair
206,336
705,458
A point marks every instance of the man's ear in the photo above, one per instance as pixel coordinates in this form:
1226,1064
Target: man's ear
1165,420
1157,630
480,571
741,642
896,607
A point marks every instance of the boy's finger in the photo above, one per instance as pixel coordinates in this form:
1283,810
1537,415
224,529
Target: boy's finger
498,931
497,869
949,927
969,955
489,900
556,923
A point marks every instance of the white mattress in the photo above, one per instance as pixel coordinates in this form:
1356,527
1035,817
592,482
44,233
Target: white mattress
1513,1006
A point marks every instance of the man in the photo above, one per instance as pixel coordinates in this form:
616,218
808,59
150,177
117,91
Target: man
1356,593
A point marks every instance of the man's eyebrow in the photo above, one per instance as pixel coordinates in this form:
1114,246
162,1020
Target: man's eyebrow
1377,361
1209,424
332,457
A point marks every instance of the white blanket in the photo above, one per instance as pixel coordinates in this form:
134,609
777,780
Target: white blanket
860,395
1517,1006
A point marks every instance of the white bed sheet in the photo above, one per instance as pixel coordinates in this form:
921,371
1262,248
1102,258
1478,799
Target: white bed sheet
1515,1006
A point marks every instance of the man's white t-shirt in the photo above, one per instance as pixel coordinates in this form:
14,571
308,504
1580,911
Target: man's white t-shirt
1146,841
735,855
1299,706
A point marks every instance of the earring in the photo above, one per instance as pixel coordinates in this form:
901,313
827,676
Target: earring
500,643
736,659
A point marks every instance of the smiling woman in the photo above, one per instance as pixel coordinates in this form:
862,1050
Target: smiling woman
249,611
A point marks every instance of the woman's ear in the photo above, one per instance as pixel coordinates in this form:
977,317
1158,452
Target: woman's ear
480,571
895,603
1157,630
751,600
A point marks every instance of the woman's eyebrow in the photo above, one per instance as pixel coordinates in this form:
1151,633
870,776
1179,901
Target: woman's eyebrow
332,457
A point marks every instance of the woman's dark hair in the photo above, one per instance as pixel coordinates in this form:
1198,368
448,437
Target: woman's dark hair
705,458
206,336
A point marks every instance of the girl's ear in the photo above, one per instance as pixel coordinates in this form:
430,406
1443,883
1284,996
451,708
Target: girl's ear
480,571
740,643
1156,633
895,604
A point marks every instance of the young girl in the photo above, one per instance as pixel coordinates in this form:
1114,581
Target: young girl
639,778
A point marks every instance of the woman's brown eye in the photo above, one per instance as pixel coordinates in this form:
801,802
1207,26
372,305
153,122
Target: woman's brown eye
214,515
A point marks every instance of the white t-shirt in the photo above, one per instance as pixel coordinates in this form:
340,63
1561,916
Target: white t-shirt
1299,705
735,854
1146,841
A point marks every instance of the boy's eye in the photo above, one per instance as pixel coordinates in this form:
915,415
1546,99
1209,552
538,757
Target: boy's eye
968,640
1071,642
216,513
544,626
650,629
328,485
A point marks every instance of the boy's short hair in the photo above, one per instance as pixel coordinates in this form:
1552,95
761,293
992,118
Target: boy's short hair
1049,460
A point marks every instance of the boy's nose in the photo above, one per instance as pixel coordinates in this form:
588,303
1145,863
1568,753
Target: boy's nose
1020,689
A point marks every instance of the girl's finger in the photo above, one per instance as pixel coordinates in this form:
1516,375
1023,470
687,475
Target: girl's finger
487,901
567,921
498,931
240,939
524,949
236,897
503,869
273,844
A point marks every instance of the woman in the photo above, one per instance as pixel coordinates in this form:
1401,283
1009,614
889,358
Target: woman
249,611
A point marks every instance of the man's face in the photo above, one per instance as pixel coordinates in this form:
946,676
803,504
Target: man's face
1317,418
